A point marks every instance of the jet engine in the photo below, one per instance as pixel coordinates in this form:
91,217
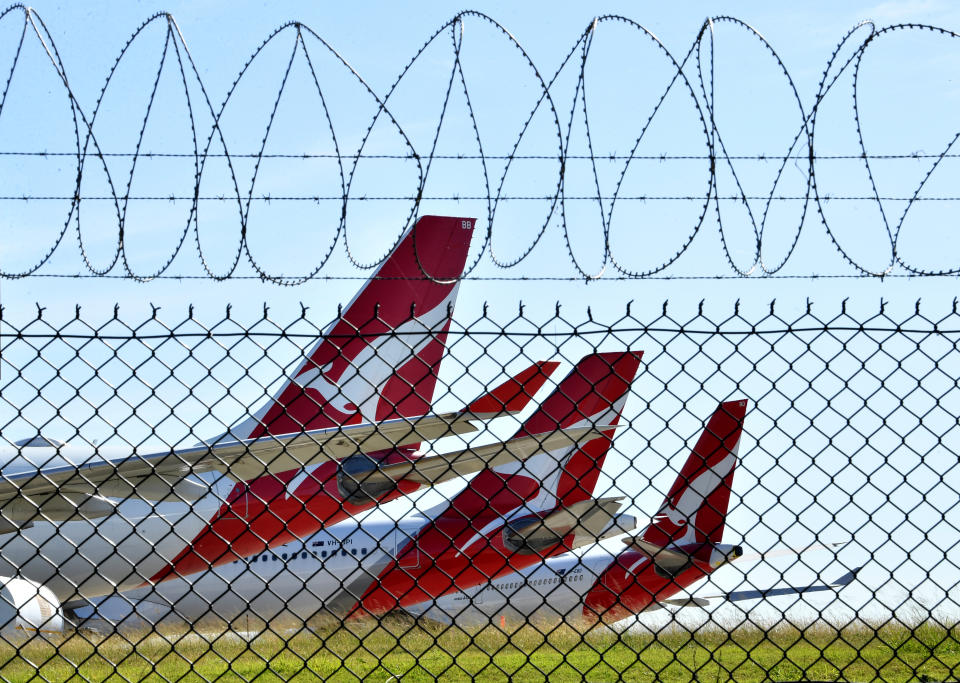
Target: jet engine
360,481
589,521
27,607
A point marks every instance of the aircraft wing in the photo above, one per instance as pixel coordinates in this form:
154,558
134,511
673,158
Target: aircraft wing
434,469
59,492
736,596
758,594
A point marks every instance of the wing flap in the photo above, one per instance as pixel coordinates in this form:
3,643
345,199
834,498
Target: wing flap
435,469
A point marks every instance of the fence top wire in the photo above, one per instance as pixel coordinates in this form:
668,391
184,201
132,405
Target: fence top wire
547,172
524,320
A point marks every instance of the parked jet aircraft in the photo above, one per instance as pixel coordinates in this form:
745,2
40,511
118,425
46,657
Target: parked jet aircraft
561,586
80,522
508,517
682,546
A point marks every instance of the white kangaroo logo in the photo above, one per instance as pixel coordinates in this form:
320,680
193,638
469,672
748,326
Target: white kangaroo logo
683,511
359,388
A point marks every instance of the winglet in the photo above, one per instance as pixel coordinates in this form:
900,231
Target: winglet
847,578
513,395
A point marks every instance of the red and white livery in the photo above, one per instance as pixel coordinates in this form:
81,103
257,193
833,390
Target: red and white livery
81,523
682,546
510,516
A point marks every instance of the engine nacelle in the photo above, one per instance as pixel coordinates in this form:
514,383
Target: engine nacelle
360,481
534,534
707,555
27,607
588,520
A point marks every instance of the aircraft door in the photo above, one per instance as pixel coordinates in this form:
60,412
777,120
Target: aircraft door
407,551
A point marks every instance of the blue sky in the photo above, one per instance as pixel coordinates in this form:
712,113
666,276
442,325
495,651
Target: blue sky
907,110
908,104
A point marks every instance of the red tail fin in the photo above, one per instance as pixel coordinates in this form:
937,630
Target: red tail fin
594,393
379,359
695,508
514,394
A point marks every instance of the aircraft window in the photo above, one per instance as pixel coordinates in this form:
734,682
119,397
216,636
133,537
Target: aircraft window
363,551
343,552
275,558
284,556
304,555
323,553
353,551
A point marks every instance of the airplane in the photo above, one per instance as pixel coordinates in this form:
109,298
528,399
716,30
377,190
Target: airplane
516,515
509,516
342,434
681,546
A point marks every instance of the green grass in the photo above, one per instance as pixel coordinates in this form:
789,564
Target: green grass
401,649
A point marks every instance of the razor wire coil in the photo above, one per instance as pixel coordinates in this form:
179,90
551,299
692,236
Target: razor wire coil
693,75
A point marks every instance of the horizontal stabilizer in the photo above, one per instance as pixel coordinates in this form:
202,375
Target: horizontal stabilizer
586,517
435,469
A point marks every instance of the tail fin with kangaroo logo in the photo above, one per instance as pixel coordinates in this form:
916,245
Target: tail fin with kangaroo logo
379,359
591,397
695,508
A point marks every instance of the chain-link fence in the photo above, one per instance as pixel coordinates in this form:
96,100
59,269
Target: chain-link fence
536,496
405,493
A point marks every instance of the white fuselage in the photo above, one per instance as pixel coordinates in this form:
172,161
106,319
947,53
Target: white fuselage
555,588
120,551
295,579
299,578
